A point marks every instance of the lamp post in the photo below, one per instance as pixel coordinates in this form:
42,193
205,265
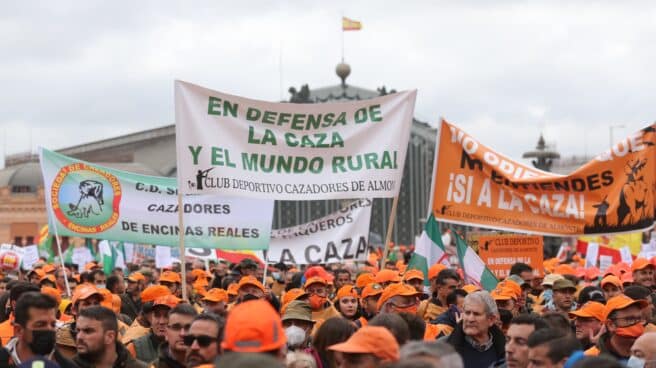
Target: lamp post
610,129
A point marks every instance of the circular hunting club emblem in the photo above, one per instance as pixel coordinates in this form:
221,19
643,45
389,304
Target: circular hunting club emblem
85,199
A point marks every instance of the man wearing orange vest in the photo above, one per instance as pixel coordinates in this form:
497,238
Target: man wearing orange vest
443,282
624,324
369,301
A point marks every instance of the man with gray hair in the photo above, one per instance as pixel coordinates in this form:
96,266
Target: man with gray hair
437,353
476,338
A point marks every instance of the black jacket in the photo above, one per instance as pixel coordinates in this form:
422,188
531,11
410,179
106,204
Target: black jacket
124,360
165,360
472,358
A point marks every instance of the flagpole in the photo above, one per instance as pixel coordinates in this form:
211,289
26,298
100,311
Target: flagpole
181,232
61,259
390,227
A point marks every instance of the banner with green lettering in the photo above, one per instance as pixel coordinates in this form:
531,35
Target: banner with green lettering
93,201
237,146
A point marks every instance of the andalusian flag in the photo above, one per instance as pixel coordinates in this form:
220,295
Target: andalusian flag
350,24
112,255
45,242
429,250
476,272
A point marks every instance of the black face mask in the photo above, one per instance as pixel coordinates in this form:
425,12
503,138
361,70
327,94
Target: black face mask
43,342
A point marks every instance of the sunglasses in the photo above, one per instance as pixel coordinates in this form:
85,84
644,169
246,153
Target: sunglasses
203,340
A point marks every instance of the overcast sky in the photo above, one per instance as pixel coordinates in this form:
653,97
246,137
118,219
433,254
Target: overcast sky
80,71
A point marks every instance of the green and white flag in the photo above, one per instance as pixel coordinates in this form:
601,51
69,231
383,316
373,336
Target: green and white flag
476,272
112,255
92,201
429,250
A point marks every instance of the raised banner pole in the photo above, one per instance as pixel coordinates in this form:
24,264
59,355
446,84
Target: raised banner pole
181,232
390,227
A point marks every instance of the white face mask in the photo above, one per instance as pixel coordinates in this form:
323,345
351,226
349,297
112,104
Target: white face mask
635,362
100,286
295,336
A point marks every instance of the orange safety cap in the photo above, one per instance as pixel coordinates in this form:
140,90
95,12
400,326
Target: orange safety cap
393,290
565,269
435,269
512,287
620,302
107,298
315,280
364,280
413,275
49,268
49,278
590,310
611,279
233,289
200,273
371,340
640,264
293,294
153,292
39,272
469,288
91,266
170,276
136,277
623,267
627,278
250,280
216,295
169,301
503,293
246,334
84,291
54,293
387,276
371,290
346,291
592,273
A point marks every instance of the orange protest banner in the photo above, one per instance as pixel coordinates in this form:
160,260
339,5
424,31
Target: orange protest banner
501,251
612,193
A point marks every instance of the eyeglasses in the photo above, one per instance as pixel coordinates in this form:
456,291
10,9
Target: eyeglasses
628,321
178,327
203,340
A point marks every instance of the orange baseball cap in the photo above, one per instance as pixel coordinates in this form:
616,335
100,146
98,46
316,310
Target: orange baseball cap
346,291
49,268
200,273
54,293
49,278
620,302
503,293
590,309
246,334
136,277
116,304
169,301
91,266
469,288
611,279
170,276
511,286
371,290
153,292
640,263
592,273
623,267
84,291
39,272
233,289
393,290
435,269
216,295
387,276
565,269
315,280
250,280
413,275
293,294
371,340
107,298
364,280
627,278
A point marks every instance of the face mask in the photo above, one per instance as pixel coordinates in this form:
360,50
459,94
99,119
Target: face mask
411,309
295,336
635,362
634,331
43,342
316,301
276,275
100,286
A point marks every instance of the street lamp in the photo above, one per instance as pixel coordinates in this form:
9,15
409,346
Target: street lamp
610,129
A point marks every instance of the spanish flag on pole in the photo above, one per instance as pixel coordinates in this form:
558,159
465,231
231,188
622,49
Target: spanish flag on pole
350,24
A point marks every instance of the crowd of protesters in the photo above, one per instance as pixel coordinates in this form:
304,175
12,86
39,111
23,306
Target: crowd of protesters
338,315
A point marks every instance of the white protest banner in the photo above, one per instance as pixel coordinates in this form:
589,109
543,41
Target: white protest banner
128,248
163,257
30,256
81,256
338,237
98,202
591,255
605,262
237,146
625,253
